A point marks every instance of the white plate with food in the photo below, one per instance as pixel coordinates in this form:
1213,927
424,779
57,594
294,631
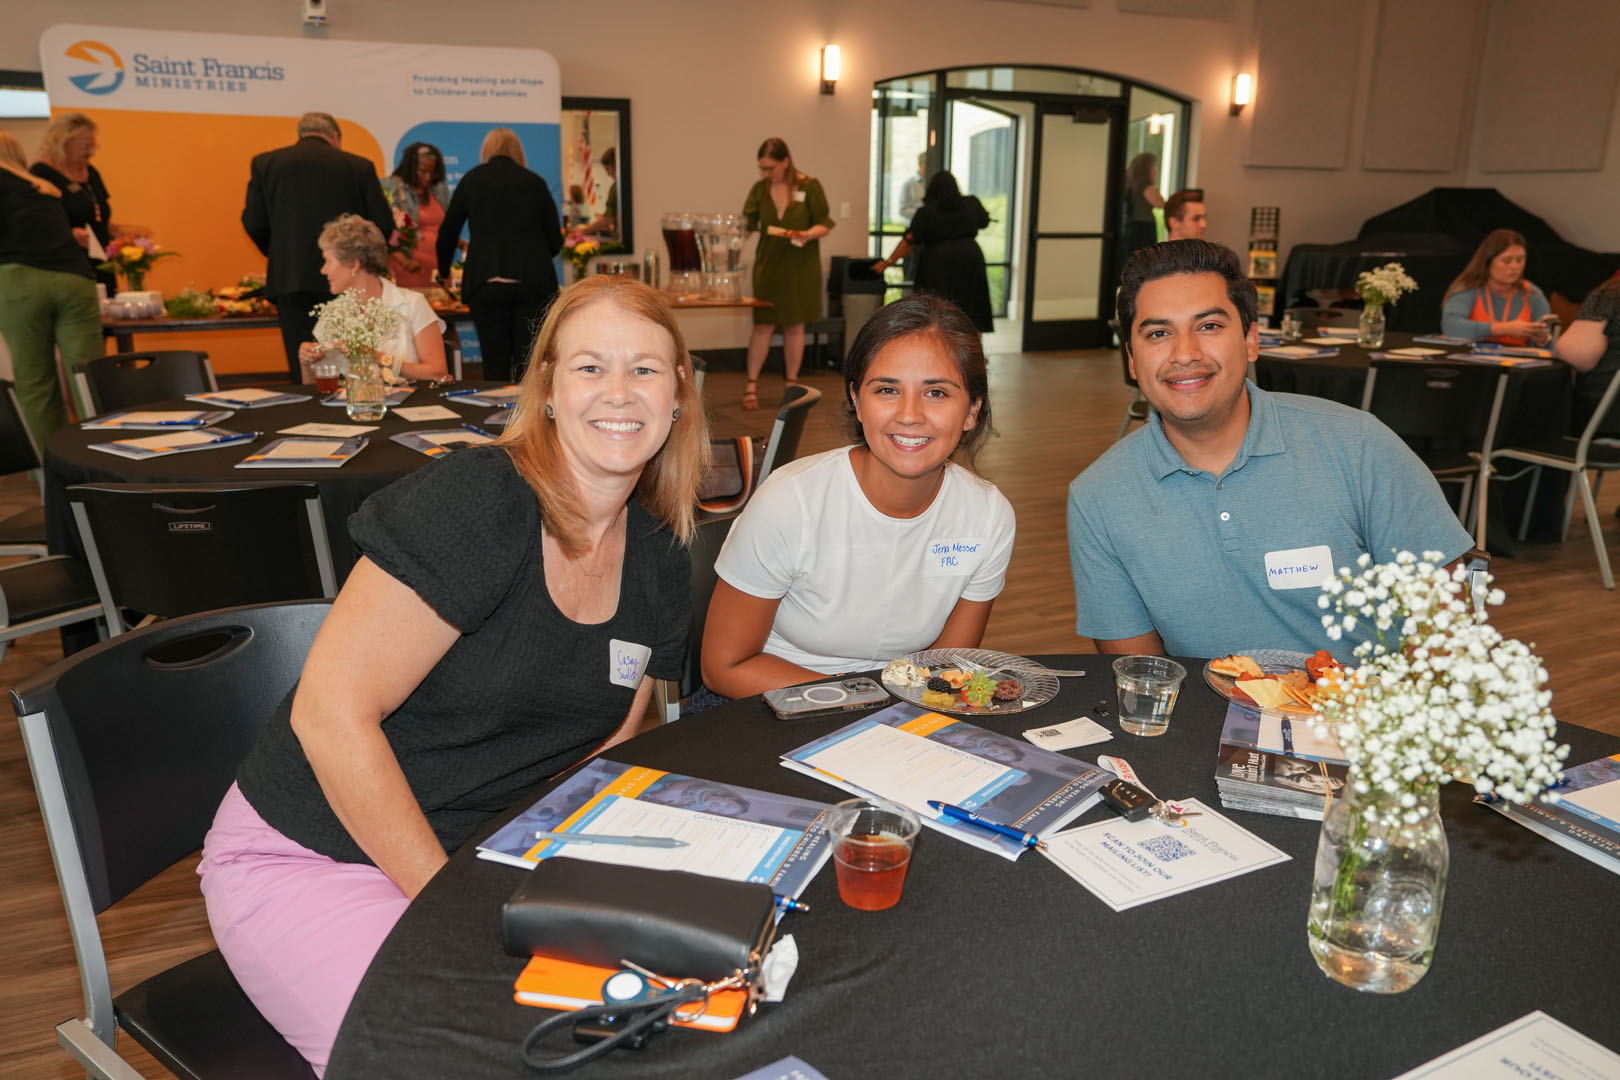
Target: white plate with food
1278,679
970,682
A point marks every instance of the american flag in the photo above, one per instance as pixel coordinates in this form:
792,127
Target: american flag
587,182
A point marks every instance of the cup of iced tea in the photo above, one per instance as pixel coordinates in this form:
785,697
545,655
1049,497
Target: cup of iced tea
328,374
872,842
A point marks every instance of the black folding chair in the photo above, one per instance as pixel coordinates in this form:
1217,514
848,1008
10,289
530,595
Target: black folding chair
22,533
124,380
705,549
783,445
1137,411
132,744
167,549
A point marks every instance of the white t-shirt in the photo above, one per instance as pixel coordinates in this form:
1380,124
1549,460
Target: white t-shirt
859,588
415,314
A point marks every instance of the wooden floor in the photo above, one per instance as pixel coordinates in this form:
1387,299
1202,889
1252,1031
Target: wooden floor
1055,414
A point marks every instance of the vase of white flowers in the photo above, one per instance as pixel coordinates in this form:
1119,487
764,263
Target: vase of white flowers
357,326
1385,285
1438,695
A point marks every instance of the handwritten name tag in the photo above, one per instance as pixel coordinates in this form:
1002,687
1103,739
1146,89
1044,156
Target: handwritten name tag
1299,568
627,661
953,558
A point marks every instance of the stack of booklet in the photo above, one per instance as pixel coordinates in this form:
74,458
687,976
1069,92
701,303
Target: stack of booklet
1586,817
1274,764
911,756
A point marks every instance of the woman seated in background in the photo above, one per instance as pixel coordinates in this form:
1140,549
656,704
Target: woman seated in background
354,256
417,191
47,294
944,233
1591,346
512,606
847,559
1491,300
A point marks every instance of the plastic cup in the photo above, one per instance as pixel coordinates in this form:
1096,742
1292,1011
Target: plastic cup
872,842
328,374
1147,687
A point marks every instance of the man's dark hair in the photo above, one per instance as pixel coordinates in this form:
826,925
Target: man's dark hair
1184,257
1176,205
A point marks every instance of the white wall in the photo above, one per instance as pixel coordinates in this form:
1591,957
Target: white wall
709,81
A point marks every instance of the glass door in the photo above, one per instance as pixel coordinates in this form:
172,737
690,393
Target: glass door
981,151
903,156
1072,233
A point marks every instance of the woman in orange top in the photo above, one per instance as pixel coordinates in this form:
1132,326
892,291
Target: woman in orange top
1491,300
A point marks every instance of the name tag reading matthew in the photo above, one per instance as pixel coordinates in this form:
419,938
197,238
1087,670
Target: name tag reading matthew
953,558
627,661
1299,568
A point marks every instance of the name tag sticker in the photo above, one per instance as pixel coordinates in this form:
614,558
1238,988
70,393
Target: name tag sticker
627,661
1299,568
798,196
954,558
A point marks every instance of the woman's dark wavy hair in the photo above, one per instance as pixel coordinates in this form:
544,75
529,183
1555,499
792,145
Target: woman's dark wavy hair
1184,257
924,313
407,163
942,190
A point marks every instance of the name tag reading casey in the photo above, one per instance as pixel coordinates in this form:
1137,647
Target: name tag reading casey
1299,568
627,661
954,558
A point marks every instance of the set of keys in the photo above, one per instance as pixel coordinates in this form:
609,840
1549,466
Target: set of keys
1133,801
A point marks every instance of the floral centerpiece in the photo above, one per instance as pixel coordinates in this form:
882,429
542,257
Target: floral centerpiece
1439,695
132,257
580,248
1384,285
355,324
403,240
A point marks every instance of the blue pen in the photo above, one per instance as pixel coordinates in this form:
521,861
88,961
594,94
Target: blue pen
461,393
956,813
788,903
476,430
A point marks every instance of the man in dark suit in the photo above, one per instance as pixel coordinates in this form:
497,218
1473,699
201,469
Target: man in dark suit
292,193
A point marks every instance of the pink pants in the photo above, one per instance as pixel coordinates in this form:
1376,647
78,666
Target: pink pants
298,929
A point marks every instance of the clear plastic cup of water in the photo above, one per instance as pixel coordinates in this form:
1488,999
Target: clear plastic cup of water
1147,687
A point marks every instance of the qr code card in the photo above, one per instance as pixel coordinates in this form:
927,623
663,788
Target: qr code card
1081,731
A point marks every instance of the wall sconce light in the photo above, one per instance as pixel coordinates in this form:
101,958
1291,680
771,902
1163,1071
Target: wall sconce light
1242,91
831,64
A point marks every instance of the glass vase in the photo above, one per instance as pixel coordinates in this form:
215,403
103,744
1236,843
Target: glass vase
1370,331
365,393
135,278
1378,890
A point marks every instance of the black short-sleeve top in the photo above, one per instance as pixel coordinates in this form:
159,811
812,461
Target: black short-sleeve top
525,692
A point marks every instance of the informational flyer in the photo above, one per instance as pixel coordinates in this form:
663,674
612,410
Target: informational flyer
1127,863
1534,1045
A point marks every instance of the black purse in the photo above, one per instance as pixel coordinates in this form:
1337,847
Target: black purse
697,933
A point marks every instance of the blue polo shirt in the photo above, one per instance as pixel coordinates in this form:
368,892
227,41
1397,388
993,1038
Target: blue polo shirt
1218,564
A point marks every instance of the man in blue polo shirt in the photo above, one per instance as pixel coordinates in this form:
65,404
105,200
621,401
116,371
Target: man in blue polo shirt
1211,529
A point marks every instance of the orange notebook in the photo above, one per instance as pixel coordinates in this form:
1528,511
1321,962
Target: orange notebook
559,984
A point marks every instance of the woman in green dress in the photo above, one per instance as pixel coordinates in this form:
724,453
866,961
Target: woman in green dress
789,211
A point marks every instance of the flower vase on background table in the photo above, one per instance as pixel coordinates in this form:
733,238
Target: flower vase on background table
1370,330
1377,893
358,326
365,394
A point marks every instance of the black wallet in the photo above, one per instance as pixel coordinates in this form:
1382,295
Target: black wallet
672,922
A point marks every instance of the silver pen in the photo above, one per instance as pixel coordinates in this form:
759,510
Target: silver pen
597,838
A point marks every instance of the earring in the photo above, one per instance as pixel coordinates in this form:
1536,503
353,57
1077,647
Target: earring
550,415
677,414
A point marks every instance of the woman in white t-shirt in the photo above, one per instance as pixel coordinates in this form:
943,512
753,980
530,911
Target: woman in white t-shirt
845,560
355,256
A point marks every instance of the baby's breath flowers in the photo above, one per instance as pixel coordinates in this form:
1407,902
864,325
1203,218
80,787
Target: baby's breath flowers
354,324
1385,285
1439,694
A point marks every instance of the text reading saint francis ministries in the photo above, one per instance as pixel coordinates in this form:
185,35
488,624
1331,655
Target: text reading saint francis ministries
204,67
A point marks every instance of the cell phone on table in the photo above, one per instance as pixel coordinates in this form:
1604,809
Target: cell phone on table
822,698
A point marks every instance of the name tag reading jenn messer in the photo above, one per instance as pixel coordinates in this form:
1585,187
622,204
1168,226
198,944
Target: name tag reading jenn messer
626,662
953,558
1299,568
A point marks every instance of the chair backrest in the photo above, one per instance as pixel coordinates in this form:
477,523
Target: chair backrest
17,450
789,427
1600,413
1438,410
144,734
730,479
165,549
705,549
124,380
700,371
1124,352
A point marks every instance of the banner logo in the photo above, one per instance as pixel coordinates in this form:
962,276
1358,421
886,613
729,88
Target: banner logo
108,73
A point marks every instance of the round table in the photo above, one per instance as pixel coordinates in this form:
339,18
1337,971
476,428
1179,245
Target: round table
69,460
988,968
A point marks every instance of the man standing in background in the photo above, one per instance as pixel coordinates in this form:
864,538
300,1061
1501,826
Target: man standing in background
1184,215
292,193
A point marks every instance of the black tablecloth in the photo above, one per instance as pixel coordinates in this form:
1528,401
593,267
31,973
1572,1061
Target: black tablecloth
1336,266
988,968
69,460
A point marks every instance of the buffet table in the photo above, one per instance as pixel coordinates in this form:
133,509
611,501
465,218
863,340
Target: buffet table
123,331
989,968
70,460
